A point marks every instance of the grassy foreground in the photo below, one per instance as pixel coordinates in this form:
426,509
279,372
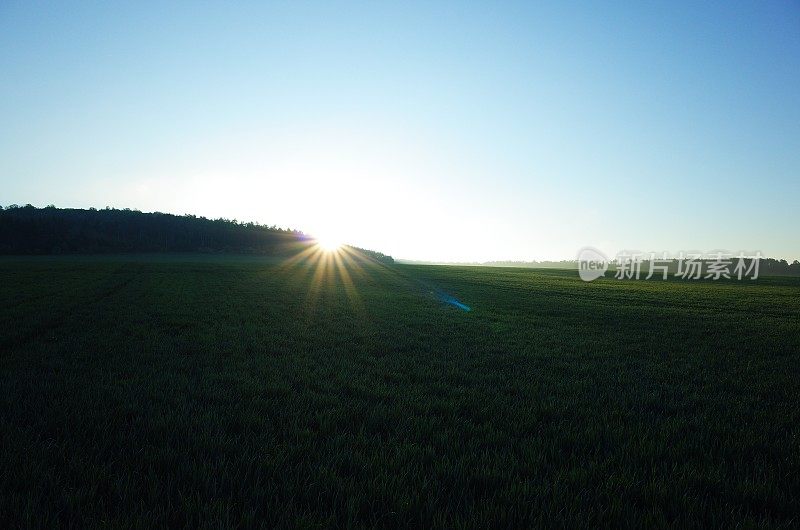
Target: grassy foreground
177,392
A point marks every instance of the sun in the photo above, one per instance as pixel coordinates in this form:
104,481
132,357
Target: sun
329,243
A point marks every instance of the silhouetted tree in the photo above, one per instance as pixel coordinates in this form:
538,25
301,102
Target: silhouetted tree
29,230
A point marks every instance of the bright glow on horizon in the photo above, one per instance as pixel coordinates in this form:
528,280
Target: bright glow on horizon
329,243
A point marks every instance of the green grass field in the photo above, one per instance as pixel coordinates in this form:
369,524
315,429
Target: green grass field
174,391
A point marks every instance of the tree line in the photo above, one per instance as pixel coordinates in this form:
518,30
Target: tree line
766,266
50,230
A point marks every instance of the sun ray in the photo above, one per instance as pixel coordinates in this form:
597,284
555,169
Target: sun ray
323,269
349,287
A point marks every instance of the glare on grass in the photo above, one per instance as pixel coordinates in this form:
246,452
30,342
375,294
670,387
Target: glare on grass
327,265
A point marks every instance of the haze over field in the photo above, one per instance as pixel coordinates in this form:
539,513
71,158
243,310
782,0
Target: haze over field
444,132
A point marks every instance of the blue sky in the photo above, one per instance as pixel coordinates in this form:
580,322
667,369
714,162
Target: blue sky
431,130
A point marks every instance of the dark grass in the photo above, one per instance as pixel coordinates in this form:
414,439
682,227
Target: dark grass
177,392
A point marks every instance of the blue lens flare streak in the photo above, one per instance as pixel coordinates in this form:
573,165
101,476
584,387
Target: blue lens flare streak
446,298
